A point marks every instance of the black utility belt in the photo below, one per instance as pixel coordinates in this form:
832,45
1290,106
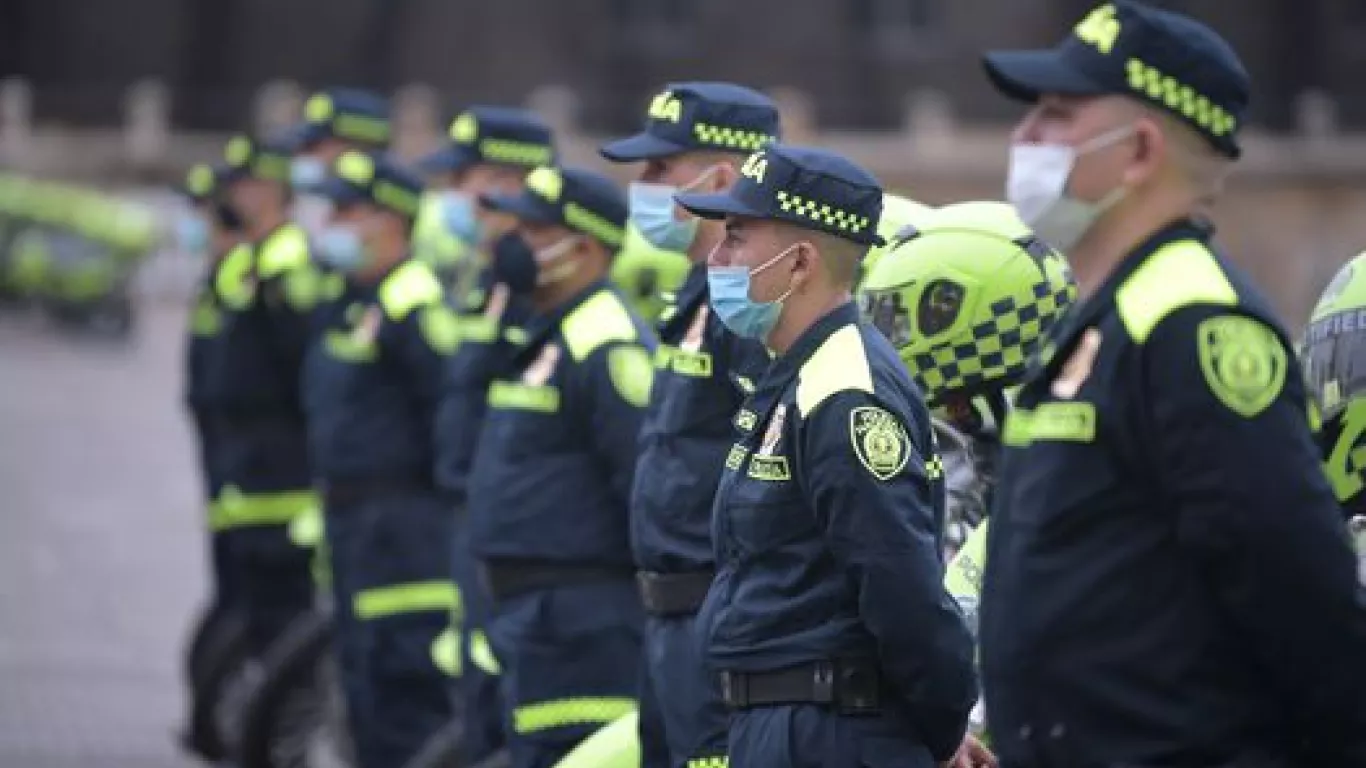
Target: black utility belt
506,579
847,686
673,594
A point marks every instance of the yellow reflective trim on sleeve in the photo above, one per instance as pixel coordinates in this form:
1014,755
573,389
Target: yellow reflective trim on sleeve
839,365
439,328
205,319
306,530
631,373
414,597
234,509
303,287
478,328
232,282
563,713
446,652
1177,275
1065,422
350,347
285,249
523,397
481,654
601,319
615,745
411,285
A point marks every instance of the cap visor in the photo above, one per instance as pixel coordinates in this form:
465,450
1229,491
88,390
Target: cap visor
642,146
339,192
448,159
717,206
1024,75
524,207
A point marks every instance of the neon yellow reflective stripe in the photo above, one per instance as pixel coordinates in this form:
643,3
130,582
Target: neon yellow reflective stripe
410,286
683,363
1179,274
306,529
446,652
233,509
478,328
481,654
231,281
522,397
615,745
717,761
284,250
600,319
838,365
350,347
414,597
562,713
1069,422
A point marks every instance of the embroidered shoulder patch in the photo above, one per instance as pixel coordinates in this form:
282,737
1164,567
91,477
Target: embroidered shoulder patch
1243,361
879,441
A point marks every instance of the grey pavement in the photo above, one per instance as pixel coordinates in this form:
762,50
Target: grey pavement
101,552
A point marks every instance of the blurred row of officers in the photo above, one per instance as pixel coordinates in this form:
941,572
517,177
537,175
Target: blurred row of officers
729,521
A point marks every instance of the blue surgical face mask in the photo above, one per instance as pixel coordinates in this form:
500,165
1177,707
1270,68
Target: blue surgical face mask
652,213
457,212
192,233
729,292
340,246
307,172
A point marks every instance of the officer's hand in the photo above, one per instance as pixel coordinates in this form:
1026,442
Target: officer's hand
972,754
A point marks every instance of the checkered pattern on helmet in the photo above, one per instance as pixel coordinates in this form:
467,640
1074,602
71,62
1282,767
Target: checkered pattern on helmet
1000,347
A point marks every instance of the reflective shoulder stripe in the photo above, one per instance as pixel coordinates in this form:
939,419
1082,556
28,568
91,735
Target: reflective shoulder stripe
285,250
840,364
230,279
413,597
410,286
510,396
599,320
1177,275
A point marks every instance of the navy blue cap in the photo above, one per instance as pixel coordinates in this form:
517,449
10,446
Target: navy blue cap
358,177
503,135
573,198
700,116
348,114
263,158
810,188
1125,48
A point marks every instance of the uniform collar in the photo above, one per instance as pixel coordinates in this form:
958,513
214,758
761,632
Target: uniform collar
694,288
1089,312
542,325
284,229
786,366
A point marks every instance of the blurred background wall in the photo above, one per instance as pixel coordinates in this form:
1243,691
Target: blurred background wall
128,92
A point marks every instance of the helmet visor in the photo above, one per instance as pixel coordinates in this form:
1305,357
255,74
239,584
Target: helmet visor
1334,360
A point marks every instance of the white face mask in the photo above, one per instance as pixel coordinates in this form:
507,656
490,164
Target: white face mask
1036,186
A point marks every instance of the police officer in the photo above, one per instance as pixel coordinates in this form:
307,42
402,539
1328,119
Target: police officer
696,135
267,290
552,476
491,150
372,381
335,120
1167,578
827,621
209,228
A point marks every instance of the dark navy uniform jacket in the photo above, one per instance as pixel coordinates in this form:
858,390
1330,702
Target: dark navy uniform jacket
828,530
702,375
1168,580
492,331
206,323
373,378
252,366
557,451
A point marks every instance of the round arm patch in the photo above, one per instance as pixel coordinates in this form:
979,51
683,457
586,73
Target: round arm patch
632,373
1244,362
879,441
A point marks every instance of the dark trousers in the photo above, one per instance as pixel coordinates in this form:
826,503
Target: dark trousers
264,575
683,721
570,664
479,686
810,736
390,555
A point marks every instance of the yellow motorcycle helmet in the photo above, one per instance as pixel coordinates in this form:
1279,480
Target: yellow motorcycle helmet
967,296
644,273
898,213
1333,355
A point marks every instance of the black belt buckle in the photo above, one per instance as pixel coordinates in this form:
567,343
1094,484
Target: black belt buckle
735,689
857,689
